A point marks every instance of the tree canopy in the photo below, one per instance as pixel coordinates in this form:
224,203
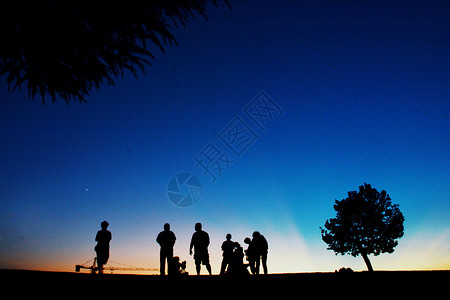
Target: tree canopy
69,47
366,223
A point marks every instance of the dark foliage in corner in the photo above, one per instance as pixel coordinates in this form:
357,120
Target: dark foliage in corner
68,48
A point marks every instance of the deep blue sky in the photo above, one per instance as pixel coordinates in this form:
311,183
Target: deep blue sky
364,87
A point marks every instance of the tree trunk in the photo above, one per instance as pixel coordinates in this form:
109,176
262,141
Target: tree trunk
367,261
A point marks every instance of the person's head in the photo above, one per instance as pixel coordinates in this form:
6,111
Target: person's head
247,240
229,236
104,225
167,226
256,234
198,226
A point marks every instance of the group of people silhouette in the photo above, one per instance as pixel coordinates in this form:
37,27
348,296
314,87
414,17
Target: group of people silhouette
233,253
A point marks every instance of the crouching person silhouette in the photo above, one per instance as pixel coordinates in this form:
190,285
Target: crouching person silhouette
200,243
177,268
237,269
102,238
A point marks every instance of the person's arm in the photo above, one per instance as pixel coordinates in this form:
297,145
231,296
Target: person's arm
194,240
158,238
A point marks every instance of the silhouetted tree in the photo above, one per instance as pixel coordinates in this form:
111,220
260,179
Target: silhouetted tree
67,48
366,223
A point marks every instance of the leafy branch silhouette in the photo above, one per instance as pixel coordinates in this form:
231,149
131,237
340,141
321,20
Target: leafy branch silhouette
68,48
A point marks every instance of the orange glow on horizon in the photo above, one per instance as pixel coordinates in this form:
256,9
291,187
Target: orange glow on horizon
287,254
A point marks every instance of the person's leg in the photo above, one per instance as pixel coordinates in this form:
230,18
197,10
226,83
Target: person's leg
257,265
223,266
208,267
264,262
197,267
162,262
102,259
169,255
252,267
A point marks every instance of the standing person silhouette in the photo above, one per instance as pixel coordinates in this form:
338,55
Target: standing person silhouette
261,247
166,239
227,248
200,243
102,238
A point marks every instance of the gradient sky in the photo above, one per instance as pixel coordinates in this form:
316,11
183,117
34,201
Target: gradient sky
364,87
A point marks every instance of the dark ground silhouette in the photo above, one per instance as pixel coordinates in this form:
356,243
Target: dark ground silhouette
383,284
